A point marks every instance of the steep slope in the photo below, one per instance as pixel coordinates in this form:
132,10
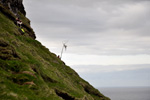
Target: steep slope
29,71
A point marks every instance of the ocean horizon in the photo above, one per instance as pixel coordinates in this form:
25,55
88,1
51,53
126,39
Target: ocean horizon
126,93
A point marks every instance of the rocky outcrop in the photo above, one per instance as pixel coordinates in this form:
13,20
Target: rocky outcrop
14,6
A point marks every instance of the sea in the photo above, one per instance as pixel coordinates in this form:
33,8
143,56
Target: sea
126,93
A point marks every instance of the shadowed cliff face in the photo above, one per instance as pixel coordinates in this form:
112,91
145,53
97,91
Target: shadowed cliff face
29,71
14,6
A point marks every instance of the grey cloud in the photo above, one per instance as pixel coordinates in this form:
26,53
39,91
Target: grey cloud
99,27
91,69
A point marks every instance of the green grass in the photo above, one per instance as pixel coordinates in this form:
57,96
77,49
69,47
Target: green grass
43,68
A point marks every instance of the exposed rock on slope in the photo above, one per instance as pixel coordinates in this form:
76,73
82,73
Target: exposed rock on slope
29,71
14,6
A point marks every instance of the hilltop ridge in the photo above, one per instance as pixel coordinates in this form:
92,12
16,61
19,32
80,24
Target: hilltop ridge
28,70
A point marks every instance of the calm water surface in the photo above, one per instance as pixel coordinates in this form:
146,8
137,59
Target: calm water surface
132,93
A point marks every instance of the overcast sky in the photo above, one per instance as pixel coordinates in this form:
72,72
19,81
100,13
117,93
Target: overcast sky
108,40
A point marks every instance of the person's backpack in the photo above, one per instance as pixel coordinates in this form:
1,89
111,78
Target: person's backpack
21,30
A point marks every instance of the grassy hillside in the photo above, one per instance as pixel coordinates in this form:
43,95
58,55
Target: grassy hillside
29,71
